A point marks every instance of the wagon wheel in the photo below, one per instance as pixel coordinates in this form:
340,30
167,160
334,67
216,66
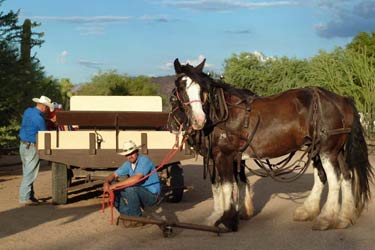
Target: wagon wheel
61,180
175,183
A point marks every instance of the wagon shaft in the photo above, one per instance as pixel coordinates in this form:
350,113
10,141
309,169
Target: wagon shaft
168,224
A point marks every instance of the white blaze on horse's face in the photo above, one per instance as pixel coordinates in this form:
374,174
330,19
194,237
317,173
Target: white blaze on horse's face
193,91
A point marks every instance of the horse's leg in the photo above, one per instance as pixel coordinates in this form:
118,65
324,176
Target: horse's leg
329,214
348,213
230,216
218,206
246,207
311,206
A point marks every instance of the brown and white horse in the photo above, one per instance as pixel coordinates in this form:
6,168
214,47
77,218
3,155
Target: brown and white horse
228,122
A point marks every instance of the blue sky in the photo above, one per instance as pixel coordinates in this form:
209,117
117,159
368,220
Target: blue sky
143,37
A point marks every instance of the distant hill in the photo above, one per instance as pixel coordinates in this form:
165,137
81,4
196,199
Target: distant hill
165,86
165,83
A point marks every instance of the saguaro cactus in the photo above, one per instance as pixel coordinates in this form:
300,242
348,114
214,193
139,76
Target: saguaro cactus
26,44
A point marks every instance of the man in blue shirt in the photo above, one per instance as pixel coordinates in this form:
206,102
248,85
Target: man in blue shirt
32,122
139,193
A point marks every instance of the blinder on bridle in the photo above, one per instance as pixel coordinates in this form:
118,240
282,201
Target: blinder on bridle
177,119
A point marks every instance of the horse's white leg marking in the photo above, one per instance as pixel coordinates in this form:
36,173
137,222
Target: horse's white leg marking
193,91
347,214
328,217
218,206
311,206
227,195
246,202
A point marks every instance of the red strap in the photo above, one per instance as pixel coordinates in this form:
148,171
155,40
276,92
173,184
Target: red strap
167,158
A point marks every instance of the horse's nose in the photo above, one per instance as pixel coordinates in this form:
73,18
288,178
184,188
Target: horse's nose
199,122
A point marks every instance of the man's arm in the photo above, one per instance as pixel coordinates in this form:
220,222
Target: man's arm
128,181
107,182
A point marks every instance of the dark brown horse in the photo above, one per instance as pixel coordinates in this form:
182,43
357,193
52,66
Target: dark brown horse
235,124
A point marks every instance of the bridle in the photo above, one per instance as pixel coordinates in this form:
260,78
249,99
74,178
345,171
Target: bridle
177,106
186,103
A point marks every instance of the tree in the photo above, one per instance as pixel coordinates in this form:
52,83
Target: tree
112,83
21,75
265,76
363,43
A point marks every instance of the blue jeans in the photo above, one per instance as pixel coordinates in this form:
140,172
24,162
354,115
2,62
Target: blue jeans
30,168
129,201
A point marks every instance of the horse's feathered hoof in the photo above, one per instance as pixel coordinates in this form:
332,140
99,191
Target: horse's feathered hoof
322,224
301,214
344,223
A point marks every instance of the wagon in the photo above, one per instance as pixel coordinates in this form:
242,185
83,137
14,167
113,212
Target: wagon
84,147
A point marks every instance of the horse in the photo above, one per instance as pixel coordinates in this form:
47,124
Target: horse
236,124
178,121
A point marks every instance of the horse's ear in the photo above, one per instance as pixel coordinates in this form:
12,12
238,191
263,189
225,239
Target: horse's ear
177,66
201,66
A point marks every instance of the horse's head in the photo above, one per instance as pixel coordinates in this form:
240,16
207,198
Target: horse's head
192,88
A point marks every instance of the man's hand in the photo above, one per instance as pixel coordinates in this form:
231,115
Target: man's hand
106,187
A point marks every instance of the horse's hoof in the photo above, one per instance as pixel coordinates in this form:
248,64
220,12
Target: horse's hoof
321,224
344,223
301,214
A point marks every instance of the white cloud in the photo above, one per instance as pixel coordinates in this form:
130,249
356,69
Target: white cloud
224,5
90,64
62,57
159,19
197,61
82,19
261,57
347,18
194,62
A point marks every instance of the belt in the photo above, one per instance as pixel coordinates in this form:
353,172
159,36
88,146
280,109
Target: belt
28,144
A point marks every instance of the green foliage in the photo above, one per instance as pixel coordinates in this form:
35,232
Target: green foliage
21,77
9,135
363,43
112,83
66,91
265,76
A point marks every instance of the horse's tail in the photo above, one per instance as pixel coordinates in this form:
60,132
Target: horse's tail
357,160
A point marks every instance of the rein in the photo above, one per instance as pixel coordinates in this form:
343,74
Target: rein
111,195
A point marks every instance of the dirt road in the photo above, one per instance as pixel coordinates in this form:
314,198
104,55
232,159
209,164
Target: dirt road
81,225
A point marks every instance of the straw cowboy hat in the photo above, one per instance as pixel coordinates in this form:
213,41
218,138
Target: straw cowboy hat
129,147
45,101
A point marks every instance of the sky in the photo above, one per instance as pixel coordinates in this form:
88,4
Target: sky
143,37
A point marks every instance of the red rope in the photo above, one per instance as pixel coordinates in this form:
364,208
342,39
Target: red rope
167,158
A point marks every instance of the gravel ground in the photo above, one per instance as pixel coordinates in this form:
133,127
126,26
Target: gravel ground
81,224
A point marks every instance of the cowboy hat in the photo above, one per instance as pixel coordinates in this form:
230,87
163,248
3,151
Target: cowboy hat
129,147
45,101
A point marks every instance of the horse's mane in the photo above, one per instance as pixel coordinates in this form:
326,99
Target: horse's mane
240,92
208,82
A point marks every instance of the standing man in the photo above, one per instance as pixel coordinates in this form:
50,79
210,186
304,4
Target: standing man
32,122
128,201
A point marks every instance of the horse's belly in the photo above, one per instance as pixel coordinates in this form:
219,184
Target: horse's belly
263,147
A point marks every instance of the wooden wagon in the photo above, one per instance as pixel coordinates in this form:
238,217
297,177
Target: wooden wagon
83,156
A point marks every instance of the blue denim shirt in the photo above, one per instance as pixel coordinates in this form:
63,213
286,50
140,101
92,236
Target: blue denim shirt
143,166
32,122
